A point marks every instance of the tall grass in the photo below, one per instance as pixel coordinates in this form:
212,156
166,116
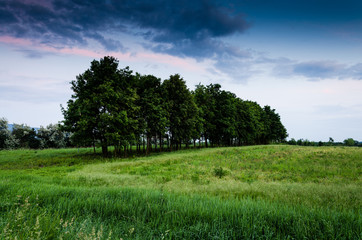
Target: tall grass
180,196
153,213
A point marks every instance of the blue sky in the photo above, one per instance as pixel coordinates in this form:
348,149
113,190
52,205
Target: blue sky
302,58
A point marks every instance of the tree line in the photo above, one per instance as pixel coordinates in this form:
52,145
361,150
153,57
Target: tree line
23,136
349,142
114,107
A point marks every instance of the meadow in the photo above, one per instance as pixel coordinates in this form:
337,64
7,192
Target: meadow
253,192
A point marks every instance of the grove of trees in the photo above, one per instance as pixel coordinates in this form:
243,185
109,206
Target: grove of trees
23,136
113,107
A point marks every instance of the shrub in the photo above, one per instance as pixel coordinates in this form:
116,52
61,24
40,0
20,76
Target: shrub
219,172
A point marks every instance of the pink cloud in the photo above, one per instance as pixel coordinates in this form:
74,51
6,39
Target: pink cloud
184,63
15,41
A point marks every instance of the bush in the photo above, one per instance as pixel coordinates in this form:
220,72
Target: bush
219,172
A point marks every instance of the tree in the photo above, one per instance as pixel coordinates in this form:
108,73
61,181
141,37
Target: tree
152,113
243,121
181,109
205,104
275,131
257,126
4,133
224,120
52,136
292,142
102,108
24,137
349,142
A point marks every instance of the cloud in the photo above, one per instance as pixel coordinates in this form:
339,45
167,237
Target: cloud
32,53
185,29
34,90
317,70
355,71
182,25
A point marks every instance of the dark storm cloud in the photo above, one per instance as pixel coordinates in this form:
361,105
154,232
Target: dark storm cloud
182,28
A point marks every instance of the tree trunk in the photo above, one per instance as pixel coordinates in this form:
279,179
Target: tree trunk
171,143
143,143
104,150
160,142
125,151
155,138
148,145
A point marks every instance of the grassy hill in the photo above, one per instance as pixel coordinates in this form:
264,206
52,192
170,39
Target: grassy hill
256,192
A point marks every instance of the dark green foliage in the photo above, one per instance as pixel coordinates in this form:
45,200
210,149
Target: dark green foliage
113,107
4,133
103,105
350,142
24,136
181,110
152,115
52,136
219,172
275,131
228,120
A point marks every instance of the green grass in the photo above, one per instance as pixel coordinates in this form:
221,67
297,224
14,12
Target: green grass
257,192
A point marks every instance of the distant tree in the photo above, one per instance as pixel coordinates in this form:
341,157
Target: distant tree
52,136
292,142
102,107
24,137
349,142
306,142
4,133
331,141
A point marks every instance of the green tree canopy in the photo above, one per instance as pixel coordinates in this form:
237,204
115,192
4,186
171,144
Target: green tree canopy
102,107
152,114
181,109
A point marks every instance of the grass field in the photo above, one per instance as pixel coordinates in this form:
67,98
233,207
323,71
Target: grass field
256,192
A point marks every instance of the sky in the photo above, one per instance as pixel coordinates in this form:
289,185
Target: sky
301,57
